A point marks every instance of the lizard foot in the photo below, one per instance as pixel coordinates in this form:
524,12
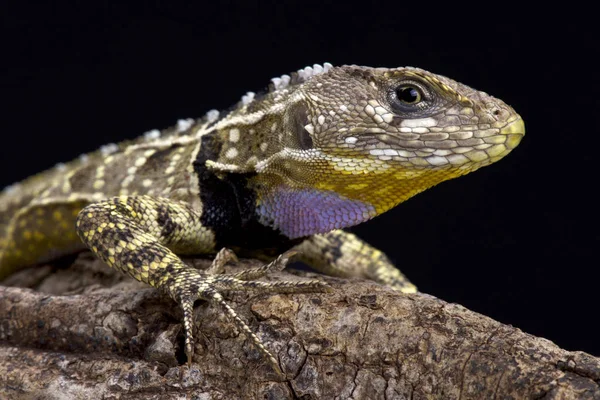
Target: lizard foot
190,284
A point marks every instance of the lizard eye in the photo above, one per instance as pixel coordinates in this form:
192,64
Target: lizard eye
409,94
410,97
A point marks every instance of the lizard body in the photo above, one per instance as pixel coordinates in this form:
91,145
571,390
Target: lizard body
323,149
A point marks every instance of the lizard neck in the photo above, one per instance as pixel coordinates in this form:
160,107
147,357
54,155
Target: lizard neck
228,205
278,206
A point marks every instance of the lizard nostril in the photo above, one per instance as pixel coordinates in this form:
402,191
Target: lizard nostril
496,111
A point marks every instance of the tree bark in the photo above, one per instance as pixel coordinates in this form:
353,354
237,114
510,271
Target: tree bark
86,332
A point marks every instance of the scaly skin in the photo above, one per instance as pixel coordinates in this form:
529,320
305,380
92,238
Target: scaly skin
324,149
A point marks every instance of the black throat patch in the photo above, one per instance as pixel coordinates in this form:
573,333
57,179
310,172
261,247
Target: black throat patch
229,205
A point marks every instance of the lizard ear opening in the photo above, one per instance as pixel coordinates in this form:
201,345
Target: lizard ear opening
298,122
304,139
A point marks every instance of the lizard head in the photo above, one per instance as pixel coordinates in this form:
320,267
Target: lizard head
349,143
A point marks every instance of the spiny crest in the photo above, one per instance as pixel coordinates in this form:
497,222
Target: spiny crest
278,83
302,75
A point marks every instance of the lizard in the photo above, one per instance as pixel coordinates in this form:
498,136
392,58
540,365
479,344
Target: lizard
279,175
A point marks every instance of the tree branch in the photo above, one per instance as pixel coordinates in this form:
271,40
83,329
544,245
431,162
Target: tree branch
88,332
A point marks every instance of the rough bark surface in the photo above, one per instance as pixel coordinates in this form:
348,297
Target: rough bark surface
86,332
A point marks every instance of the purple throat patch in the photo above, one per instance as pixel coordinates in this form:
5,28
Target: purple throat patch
303,212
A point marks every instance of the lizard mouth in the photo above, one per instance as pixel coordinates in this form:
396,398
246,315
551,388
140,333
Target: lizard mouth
515,132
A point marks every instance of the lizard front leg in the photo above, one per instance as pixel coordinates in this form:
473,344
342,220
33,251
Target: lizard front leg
339,253
140,235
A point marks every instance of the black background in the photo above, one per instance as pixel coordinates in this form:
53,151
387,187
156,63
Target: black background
517,241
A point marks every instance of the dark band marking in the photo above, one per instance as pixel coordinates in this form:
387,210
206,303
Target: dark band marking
165,221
